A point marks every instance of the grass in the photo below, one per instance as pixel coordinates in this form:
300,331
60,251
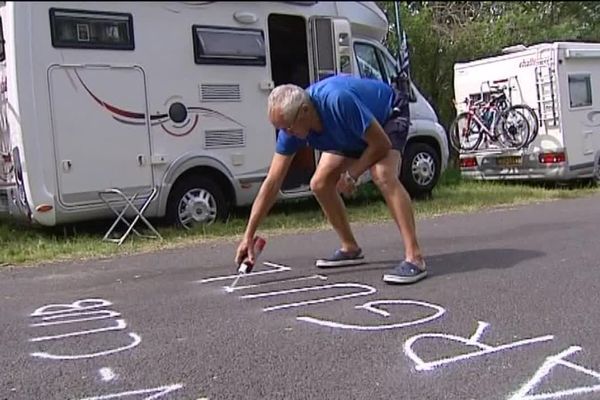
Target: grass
20,245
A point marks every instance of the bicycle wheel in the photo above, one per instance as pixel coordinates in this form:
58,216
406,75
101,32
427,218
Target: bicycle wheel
514,129
465,133
532,119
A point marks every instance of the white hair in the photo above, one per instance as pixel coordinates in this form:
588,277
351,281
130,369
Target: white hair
287,98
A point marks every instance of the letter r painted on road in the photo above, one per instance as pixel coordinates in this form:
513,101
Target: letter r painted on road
472,341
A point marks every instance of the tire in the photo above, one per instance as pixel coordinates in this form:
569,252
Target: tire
420,169
199,198
532,118
514,129
596,175
459,124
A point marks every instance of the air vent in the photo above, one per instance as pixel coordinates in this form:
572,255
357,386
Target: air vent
214,139
227,92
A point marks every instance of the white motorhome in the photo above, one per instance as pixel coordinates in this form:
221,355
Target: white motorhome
172,96
560,81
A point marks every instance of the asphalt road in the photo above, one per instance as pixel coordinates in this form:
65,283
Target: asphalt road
510,310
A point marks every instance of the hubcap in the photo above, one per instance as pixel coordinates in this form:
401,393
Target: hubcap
197,207
423,169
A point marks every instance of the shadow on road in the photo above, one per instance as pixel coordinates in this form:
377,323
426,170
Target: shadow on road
452,263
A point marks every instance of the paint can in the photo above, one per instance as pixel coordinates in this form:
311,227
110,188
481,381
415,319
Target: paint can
259,245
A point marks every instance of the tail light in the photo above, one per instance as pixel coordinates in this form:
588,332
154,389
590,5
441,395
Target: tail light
552,158
468,162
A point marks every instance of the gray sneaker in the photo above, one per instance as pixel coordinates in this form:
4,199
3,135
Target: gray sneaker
341,259
405,272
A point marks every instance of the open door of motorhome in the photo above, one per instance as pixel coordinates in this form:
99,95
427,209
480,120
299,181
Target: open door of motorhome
332,46
331,43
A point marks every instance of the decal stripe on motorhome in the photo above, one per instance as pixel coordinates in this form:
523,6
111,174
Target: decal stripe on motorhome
123,113
156,118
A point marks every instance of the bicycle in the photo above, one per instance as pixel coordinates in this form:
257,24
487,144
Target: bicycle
493,120
526,110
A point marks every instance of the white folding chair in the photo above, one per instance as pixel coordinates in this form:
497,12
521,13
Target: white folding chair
144,200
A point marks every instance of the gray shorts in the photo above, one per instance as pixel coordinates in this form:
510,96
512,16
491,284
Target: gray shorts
396,126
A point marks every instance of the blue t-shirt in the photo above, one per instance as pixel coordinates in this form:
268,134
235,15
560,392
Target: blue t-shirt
346,105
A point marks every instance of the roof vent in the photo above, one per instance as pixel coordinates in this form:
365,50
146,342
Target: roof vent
514,49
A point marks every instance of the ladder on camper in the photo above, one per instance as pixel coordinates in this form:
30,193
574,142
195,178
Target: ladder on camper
545,83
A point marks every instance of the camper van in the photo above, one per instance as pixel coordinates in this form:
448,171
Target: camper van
172,96
560,82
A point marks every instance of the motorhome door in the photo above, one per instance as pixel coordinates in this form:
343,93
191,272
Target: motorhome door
332,46
100,128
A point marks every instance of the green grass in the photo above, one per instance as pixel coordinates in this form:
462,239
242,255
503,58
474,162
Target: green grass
31,245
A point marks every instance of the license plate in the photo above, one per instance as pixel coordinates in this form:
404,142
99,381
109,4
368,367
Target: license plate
509,161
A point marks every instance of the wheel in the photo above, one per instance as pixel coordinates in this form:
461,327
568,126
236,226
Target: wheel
465,133
596,176
514,129
194,201
420,169
532,119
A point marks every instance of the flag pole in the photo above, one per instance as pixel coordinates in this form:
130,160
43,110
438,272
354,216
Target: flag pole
398,35
403,73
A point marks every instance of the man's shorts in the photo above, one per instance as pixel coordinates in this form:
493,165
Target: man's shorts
396,126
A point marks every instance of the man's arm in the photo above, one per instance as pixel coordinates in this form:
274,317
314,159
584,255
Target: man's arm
378,145
264,201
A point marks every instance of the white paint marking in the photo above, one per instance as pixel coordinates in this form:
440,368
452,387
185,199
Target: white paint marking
278,268
545,369
120,325
481,327
158,392
230,289
136,340
105,314
486,349
368,290
68,308
107,375
371,307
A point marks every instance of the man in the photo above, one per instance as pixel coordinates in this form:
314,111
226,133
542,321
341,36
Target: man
358,124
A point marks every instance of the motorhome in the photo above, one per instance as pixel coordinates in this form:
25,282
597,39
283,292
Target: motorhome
560,81
173,96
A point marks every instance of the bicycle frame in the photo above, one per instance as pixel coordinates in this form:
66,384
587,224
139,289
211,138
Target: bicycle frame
475,109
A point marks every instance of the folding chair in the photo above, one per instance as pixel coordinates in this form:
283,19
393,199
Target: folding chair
144,201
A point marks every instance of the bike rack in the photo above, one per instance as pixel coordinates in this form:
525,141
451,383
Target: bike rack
509,86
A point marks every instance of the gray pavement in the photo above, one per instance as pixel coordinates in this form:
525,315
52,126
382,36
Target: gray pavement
509,311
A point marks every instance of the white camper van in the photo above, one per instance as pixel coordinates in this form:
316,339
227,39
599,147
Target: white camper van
561,82
172,96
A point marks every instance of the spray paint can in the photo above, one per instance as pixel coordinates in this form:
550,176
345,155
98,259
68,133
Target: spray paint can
258,245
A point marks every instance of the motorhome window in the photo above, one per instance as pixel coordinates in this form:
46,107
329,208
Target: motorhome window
229,46
91,30
580,90
368,64
2,55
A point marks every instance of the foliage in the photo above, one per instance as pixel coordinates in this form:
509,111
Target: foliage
441,34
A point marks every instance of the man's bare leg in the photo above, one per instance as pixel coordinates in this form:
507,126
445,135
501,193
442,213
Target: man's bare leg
323,185
385,176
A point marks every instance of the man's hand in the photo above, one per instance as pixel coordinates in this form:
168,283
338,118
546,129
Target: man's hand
346,184
378,146
245,249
